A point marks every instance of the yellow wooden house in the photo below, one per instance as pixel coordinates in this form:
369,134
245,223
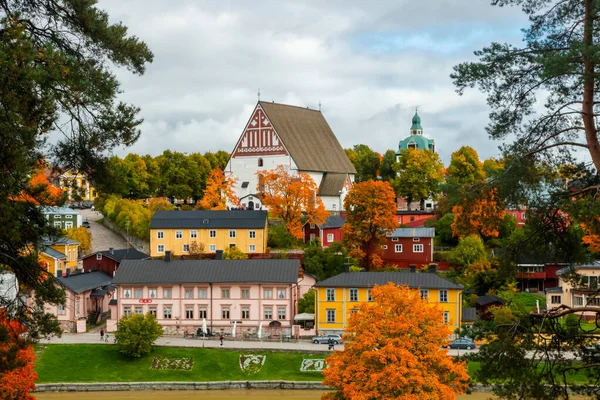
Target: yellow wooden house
69,248
337,297
187,232
52,260
77,186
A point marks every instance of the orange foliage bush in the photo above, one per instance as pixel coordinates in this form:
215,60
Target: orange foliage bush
40,192
392,350
219,191
371,214
17,375
290,197
482,215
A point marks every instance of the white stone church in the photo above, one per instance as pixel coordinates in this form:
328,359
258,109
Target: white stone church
298,138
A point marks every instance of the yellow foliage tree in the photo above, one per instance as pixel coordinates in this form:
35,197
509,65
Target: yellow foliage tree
290,197
159,203
392,350
371,214
219,191
234,253
82,235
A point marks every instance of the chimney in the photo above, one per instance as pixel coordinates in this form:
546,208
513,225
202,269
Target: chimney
112,250
413,268
432,268
219,255
346,267
68,271
168,256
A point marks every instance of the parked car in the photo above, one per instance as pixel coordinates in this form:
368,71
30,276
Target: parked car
85,224
337,339
462,343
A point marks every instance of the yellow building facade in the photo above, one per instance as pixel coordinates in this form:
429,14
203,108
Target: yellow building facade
206,231
77,186
337,297
68,247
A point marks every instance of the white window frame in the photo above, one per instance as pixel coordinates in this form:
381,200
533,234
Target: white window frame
193,234
267,293
252,248
61,310
331,317
446,317
443,296
178,234
152,293
418,248
160,248
353,294
212,233
268,312
185,248
232,233
160,234
416,239
252,234
57,224
99,256
329,237
212,248
369,295
69,216
281,313
555,299
330,294
424,294
398,248
202,293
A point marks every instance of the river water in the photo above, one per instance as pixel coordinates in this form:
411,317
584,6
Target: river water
209,395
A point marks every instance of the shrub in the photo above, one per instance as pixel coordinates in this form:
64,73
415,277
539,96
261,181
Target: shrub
136,334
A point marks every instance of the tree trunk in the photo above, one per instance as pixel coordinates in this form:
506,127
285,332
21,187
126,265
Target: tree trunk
587,113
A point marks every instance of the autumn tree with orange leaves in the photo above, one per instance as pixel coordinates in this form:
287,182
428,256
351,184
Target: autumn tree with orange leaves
291,197
371,214
479,212
39,191
218,192
17,375
392,350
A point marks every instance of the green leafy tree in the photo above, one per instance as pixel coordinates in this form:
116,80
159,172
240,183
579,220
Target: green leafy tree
307,303
136,334
365,161
56,59
420,174
469,253
234,253
325,263
465,167
387,170
180,176
443,229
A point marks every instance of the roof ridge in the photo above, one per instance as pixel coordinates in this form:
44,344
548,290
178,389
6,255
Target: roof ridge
289,105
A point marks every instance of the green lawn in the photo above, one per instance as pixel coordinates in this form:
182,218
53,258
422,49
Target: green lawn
527,300
101,363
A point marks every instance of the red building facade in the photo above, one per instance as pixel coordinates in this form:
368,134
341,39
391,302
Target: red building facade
409,246
108,261
327,233
413,218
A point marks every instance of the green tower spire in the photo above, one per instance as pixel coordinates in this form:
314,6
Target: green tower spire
416,122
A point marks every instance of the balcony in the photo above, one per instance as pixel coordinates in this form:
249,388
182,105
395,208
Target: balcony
531,275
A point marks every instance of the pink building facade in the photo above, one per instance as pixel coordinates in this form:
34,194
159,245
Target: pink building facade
184,293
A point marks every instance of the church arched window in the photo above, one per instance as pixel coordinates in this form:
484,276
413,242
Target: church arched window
260,162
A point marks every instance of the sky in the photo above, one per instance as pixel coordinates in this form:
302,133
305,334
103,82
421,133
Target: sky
369,64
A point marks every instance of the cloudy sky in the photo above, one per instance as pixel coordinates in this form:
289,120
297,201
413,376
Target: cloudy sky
369,63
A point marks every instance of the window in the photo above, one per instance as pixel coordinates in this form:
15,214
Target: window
139,310
578,301
68,225
57,224
232,234
202,293
424,294
446,317
99,256
189,312
212,248
202,312
384,247
160,235
523,216
138,293
353,294
126,293
212,233
333,207
313,237
443,296
186,248
280,312
281,293
330,315
69,216
555,299
330,237
394,239
160,248
245,312
178,234
416,239
398,248
260,162
268,312
127,311
312,226
152,293
152,310
225,313
224,293
189,293
417,248
56,216
167,312
252,248
369,296
61,309
193,234
167,293
268,294
330,294
245,293
252,234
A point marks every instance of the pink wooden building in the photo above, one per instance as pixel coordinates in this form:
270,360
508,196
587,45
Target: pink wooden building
184,293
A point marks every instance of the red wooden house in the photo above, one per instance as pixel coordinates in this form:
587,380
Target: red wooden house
327,233
413,218
520,214
537,277
409,246
108,260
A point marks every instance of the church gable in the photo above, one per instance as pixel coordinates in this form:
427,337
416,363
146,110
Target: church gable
259,138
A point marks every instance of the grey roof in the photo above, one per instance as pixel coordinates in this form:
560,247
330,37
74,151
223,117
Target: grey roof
58,210
332,183
53,253
120,254
58,240
489,299
369,279
469,314
593,265
82,282
557,289
413,232
205,219
334,221
207,271
308,138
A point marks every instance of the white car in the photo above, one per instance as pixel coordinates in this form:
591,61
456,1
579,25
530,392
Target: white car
337,339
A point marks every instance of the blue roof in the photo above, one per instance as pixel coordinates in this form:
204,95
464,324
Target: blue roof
58,240
58,210
53,253
413,232
334,221
79,283
593,265
419,142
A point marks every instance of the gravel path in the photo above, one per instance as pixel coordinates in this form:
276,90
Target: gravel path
102,237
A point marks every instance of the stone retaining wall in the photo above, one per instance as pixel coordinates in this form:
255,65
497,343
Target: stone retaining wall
139,386
137,243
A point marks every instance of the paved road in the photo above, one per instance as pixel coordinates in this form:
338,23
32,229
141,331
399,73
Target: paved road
102,237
